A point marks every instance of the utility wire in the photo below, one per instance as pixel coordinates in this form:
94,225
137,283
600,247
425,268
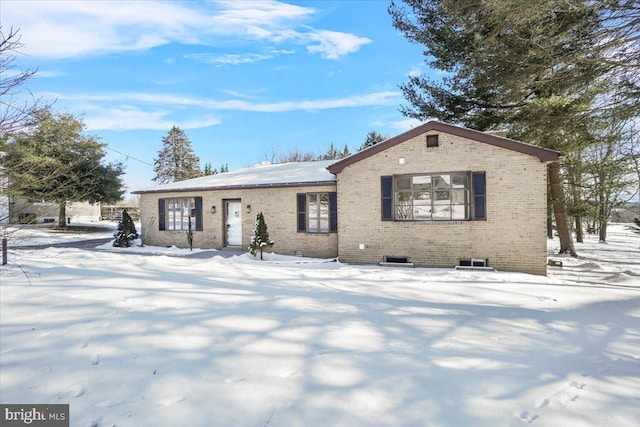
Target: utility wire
128,156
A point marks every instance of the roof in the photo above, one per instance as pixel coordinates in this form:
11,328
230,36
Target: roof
544,154
268,175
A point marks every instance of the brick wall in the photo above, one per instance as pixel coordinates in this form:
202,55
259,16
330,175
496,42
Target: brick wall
278,205
513,238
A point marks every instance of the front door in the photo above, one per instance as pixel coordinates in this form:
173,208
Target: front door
234,223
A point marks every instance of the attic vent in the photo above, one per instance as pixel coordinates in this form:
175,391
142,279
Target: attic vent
432,141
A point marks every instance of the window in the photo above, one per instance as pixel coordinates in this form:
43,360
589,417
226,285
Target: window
317,212
432,141
430,197
175,213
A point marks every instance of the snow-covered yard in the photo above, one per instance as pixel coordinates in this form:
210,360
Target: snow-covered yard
129,339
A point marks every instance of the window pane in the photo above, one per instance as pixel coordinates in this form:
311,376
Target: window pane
422,197
403,205
459,181
324,225
403,212
422,212
459,197
460,212
441,197
441,181
442,212
421,183
403,183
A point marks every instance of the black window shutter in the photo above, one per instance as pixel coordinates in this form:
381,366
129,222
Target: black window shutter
333,212
161,214
302,212
199,214
386,184
479,195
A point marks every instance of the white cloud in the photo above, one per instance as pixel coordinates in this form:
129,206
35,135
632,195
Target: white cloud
65,29
334,45
415,72
175,101
153,111
132,118
236,58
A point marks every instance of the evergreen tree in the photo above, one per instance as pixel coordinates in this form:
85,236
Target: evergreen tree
224,168
52,160
126,233
207,169
372,139
540,72
345,152
260,239
176,160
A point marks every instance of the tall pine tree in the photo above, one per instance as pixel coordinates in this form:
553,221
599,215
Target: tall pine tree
176,160
538,71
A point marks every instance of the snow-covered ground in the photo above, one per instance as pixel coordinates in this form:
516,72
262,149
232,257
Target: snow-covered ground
135,340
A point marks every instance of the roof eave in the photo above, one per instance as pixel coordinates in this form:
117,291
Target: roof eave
236,187
544,154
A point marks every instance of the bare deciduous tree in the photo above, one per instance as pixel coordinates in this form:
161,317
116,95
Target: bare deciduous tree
16,104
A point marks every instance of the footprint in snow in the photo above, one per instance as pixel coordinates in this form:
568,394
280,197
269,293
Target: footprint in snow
545,402
95,360
81,391
526,417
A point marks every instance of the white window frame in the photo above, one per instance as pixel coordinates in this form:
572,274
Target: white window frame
318,213
177,213
432,197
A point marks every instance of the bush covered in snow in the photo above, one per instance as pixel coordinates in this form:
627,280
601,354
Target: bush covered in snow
260,239
126,233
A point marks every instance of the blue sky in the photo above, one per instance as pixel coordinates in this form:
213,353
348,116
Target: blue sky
243,79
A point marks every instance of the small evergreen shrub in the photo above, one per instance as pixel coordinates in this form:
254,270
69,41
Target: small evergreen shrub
126,233
260,239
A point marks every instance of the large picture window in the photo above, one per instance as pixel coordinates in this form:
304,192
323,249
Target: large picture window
432,197
175,213
179,213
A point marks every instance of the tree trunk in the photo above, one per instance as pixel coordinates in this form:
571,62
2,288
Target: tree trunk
62,214
602,234
602,223
549,213
559,209
579,230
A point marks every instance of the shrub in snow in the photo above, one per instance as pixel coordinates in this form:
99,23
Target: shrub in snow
190,235
635,227
260,239
126,233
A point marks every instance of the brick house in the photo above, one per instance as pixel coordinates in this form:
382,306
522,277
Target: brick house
438,195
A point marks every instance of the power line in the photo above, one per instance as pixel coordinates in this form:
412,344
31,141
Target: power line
128,156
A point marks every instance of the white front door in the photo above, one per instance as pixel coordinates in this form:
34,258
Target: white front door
234,223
